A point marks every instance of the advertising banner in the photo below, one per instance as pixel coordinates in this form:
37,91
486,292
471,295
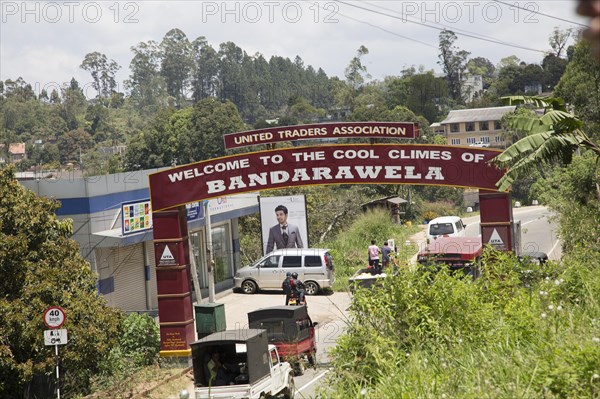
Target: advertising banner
337,130
136,216
336,164
283,222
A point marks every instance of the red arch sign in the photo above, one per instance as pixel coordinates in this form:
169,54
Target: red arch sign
318,165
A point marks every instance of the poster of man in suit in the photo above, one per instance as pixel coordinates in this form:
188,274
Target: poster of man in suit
283,222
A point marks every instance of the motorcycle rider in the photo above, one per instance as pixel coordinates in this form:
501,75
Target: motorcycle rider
297,288
287,287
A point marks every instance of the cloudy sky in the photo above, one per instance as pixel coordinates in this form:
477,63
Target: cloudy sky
44,42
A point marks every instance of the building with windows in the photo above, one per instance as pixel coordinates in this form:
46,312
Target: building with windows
476,126
14,153
123,256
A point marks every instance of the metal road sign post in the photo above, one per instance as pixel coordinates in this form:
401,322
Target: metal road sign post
54,318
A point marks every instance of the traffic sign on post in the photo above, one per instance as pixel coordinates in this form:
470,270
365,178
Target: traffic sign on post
55,337
54,317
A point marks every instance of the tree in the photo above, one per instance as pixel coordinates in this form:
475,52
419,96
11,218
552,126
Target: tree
453,62
580,84
484,67
176,64
356,72
558,40
73,104
148,87
551,138
103,73
41,267
211,119
423,93
205,80
73,144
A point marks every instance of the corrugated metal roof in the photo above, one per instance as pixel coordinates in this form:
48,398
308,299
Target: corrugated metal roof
477,114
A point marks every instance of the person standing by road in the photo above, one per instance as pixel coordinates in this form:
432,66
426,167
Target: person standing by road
374,255
385,255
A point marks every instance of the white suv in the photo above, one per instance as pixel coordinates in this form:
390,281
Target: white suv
480,144
445,226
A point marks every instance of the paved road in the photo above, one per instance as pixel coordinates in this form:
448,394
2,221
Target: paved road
538,231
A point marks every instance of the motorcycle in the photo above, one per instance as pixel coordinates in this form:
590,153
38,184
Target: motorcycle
294,300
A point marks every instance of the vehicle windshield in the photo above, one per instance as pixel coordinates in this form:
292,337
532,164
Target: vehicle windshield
439,229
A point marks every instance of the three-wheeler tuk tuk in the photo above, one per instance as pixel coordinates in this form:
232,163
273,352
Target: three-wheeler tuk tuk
291,330
243,365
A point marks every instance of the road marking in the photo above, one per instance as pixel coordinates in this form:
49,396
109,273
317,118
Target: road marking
312,381
553,248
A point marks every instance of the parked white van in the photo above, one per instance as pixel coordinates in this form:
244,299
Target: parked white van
314,267
445,226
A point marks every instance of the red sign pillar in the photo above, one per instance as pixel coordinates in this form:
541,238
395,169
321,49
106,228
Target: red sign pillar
497,220
172,257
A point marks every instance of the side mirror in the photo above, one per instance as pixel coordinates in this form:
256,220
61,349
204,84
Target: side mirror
316,323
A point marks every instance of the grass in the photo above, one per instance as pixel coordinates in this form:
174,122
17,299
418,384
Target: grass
517,332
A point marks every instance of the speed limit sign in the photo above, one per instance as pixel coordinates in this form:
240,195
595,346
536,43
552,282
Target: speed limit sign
54,317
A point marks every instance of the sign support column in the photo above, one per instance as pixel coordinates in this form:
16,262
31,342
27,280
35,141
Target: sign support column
497,220
172,257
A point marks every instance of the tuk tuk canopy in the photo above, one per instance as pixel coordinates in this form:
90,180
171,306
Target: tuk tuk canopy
283,323
248,346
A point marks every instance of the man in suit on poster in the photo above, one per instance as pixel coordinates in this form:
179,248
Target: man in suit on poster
283,234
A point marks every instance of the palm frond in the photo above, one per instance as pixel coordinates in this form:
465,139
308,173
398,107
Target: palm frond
528,156
536,101
561,120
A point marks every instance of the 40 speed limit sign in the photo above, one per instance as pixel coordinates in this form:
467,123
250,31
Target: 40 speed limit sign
54,317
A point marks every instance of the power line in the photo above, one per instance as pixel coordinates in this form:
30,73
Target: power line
473,36
452,28
388,31
383,29
540,13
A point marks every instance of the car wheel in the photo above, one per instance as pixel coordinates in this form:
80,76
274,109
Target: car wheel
290,390
311,288
249,287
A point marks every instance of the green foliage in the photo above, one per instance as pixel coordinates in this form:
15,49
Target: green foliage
350,249
431,210
41,267
550,138
140,339
517,331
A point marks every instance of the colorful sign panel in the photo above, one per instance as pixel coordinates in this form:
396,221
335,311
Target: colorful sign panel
338,130
337,164
136,216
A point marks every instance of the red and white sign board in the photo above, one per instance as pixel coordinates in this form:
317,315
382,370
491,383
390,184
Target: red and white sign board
54,317
338,164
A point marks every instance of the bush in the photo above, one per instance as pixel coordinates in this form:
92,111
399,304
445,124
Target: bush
140,339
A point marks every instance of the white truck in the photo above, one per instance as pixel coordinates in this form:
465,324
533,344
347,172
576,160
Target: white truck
254,368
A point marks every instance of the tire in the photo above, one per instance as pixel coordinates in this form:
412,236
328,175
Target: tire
311,288
299,368
312,358
290,390
249,287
